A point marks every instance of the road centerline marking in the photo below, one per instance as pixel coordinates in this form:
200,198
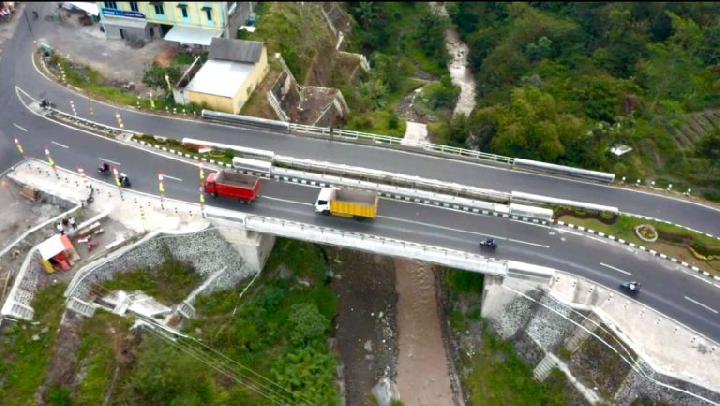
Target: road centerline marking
171,177
59,144
20,128
615,269
111,161
691,300
284,200
462,231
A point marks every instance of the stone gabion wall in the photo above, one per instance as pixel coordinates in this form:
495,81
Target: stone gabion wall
637,385
206,251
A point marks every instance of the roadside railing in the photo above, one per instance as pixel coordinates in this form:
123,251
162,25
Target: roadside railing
433,149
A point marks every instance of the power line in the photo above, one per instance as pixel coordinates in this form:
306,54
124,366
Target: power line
281,392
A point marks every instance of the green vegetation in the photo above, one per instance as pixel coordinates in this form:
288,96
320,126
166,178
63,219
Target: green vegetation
672,240
99,337
402,41
463,281
563,82
169,283
23,360
224,156
296,31
98,87
280,327
500,377
495,375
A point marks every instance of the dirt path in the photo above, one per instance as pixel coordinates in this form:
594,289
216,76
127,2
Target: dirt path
423,374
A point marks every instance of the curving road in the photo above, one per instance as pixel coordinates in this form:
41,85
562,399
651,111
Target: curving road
667,287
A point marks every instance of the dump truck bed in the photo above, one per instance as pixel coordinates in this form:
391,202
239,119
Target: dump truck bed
354,203
236,180
355,196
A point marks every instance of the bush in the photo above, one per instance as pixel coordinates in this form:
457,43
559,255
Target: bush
155,76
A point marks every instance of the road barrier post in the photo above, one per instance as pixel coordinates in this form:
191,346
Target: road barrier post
51,162
161,187
20,148
117,182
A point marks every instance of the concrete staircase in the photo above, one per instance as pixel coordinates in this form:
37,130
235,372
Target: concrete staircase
81,307
579,336
543,369
186,310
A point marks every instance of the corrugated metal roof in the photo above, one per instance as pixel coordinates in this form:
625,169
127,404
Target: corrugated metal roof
235,50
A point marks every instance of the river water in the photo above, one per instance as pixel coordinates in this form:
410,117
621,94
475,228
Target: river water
458,66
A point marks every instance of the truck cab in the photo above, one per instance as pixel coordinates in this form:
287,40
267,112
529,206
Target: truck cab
322,204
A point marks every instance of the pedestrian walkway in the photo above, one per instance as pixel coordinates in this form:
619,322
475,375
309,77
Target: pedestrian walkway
415,133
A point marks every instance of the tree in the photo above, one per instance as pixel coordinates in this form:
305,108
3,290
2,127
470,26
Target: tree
532,127
306,323
709,147
430,35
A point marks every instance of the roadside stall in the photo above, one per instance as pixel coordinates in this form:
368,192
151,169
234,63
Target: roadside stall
58,250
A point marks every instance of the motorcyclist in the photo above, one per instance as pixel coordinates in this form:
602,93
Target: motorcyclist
104,167
124,180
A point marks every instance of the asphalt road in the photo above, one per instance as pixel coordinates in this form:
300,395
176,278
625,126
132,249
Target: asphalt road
666,287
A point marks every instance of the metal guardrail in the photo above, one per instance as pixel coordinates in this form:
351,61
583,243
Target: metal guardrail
565,170
378,139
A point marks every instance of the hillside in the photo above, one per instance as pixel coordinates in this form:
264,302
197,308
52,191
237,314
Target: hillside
563,82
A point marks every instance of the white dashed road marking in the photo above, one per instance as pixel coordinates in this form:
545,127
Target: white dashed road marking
19,128
701,304
615,269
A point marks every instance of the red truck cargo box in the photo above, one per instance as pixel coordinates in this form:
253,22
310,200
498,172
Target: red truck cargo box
232,185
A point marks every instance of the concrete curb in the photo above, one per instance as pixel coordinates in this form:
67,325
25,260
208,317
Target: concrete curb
641,247
672,224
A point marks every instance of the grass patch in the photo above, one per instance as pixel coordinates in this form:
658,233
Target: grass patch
97,87
500,377
170,282
464,281
97,350
672,240
23,361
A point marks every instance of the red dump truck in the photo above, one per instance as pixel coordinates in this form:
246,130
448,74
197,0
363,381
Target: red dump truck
245,188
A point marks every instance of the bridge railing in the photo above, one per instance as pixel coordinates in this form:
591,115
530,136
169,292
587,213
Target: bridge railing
366,242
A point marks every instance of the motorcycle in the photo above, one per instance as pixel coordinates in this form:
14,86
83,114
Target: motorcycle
124,181
104,169
489,243
47,104
631,288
